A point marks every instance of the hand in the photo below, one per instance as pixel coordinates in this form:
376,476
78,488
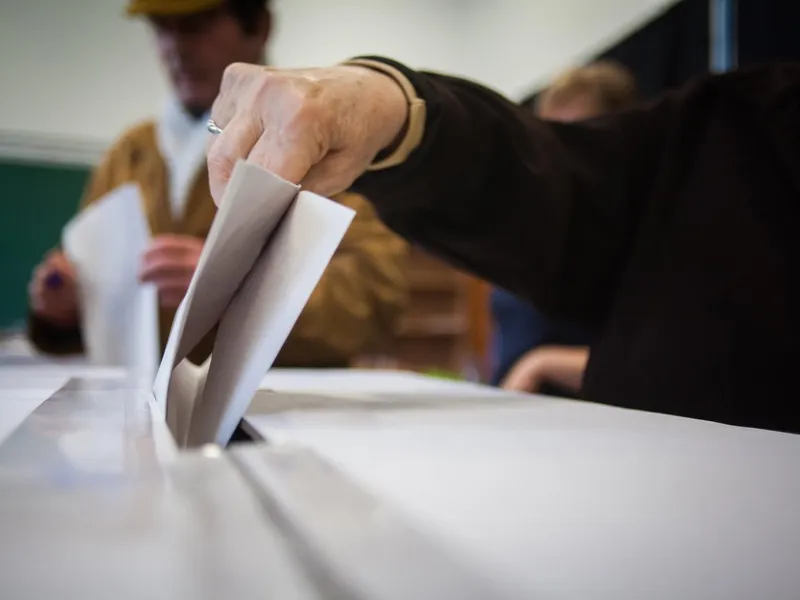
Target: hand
169,263
320,128
559,365
527,374
53,291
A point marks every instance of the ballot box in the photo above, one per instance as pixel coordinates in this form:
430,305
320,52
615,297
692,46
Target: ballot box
390,485
97,502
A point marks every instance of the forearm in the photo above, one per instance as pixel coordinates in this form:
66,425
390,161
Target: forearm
541,209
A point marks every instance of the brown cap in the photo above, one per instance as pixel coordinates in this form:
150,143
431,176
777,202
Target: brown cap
170,7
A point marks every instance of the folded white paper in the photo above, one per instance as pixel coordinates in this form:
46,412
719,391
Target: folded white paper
266,251
105,242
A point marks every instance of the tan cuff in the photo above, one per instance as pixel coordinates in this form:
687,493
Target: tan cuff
415,127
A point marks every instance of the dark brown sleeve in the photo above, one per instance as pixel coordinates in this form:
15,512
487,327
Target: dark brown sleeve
52,339
544,210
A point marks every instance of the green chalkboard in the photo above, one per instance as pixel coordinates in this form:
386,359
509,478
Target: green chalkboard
36,200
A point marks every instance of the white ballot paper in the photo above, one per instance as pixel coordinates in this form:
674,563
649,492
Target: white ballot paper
265,253
119,315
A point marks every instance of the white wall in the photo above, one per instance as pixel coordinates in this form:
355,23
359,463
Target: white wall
75,69
516,45
79,71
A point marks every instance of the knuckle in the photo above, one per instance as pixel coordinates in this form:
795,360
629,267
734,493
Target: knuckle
309,111
311,92
307,119
297,96
233,73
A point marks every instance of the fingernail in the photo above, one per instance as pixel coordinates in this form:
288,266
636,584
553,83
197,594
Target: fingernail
54,280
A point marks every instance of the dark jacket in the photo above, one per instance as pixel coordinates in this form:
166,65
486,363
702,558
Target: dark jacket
671,230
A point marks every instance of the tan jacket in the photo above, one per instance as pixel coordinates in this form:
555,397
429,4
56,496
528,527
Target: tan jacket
356,306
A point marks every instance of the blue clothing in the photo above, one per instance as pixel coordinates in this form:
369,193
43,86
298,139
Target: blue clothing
519,327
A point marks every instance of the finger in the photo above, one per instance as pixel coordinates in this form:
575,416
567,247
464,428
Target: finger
56,259
54,304
233,144
60,264
171,300
36,286
291,152
58,317
172,295
46,277
236,90
514,382
173,254
35,293
40,272
160,269
334,174
226,103
36,305
174,242
159,254
170,238
178,285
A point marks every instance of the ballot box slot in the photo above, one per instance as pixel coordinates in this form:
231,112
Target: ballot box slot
279,406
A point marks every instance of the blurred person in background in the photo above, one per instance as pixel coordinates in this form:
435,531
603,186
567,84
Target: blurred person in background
532,353
360,298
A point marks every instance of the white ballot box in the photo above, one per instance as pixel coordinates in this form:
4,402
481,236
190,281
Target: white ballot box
62,424
98,501
418,489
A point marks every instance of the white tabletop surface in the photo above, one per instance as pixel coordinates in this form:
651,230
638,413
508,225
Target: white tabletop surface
102,422
24,388
560,499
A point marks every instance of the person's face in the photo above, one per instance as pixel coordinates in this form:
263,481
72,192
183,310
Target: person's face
577,109
195,49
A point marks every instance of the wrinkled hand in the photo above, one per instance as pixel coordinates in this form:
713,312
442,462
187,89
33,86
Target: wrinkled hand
320,128
169,263
53,290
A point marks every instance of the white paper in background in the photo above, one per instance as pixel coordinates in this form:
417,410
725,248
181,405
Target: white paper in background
253,290
105,242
